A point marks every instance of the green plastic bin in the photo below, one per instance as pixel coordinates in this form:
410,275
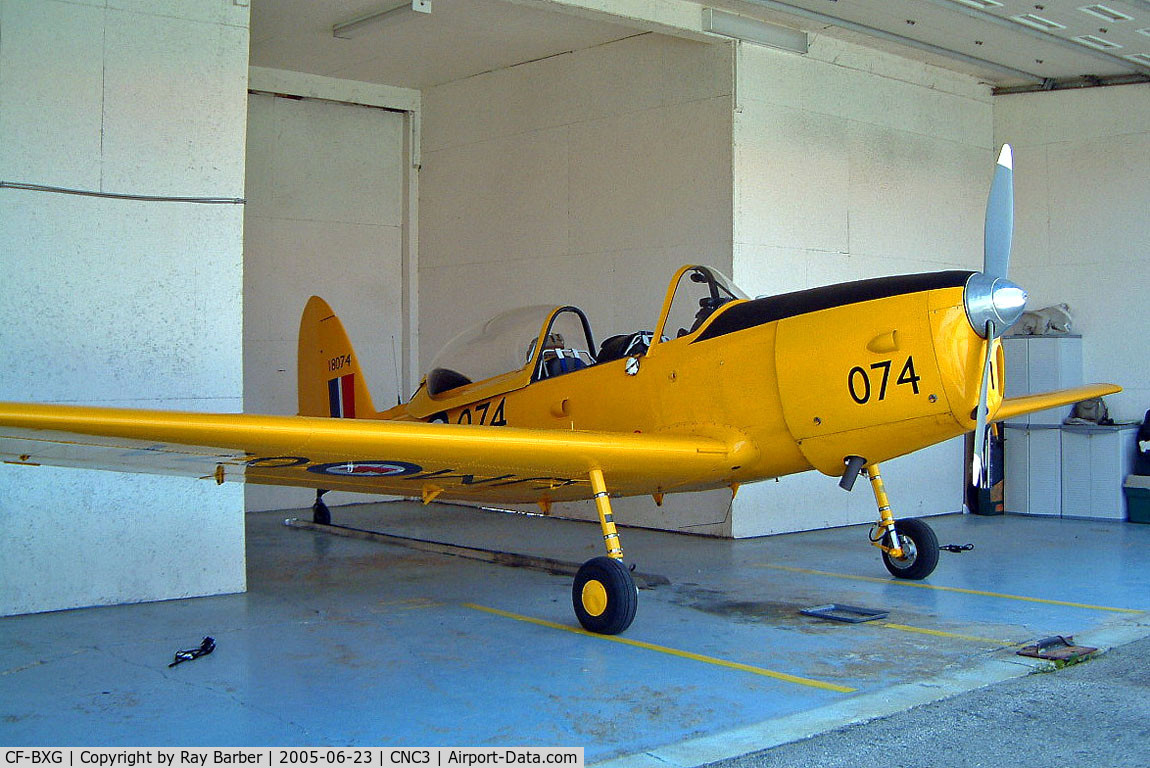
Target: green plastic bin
1137,488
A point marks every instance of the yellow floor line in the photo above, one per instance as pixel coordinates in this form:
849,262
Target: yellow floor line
670,651
955,635
920,585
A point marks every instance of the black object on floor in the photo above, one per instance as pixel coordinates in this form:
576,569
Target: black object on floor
206,647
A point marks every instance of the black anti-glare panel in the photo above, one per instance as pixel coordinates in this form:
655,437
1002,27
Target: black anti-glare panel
768,309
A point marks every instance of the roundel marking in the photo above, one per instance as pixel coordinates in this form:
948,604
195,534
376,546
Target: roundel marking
366,468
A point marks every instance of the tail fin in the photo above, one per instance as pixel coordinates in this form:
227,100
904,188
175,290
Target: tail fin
330,380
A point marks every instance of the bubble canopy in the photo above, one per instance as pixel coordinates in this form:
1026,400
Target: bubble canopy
548,341
509,343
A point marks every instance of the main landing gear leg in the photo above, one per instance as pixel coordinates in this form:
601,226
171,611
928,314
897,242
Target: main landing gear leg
320,514
910,548
604,594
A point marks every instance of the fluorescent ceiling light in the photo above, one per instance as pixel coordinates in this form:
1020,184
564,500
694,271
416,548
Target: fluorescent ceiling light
1038,22
981,5
359,24
1094,41
753,31
1104,13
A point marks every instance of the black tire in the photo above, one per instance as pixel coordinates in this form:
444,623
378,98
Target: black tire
920,550
604,596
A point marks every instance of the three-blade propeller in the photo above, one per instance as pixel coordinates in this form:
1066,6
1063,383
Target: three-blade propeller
993,302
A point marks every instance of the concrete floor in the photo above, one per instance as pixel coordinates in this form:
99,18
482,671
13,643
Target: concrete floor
348,642
1090,715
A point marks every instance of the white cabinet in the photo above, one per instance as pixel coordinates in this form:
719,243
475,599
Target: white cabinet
1042,364
1095,462
1033,467
1016,469
1068,471
1053,469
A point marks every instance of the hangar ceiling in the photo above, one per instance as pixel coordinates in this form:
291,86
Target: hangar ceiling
1005,42
460,38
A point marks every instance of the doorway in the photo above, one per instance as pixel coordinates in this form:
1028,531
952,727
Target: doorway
326,194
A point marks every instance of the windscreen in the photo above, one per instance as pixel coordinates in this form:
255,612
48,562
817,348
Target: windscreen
701,290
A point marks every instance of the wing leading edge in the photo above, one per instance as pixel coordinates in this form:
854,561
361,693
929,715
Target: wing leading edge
404,458
1017,406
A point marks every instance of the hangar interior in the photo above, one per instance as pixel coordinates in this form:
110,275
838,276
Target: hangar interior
424,171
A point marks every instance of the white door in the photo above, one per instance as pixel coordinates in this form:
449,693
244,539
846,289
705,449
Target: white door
325,215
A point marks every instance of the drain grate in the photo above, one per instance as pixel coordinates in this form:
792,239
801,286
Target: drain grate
851,614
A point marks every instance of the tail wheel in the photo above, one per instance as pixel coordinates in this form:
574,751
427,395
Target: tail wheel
604,596
919,550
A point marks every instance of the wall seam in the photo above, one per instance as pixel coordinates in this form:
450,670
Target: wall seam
103,92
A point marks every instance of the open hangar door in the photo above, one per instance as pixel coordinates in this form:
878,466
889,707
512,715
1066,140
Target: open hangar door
356,245
568,158
333,185
326,191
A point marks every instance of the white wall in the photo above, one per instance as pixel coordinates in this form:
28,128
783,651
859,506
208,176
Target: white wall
1082,223
849,164
586,178
116,302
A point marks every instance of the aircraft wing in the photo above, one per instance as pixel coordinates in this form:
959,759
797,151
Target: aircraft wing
1017,406
392,457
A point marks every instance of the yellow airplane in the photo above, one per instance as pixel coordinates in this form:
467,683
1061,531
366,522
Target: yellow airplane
724,390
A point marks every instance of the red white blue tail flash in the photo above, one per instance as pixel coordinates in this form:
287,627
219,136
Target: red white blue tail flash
341,396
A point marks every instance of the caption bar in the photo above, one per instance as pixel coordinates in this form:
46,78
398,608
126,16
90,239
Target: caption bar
269,757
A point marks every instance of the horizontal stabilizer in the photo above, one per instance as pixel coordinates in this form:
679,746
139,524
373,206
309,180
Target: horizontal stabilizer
1013,407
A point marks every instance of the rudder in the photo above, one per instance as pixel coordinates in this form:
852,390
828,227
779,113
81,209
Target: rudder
330,382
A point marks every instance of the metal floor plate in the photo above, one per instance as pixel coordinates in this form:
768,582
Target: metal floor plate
850,614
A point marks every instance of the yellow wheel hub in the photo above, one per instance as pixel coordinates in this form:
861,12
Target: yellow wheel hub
594,598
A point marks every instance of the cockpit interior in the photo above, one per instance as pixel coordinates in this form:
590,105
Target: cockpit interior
554,341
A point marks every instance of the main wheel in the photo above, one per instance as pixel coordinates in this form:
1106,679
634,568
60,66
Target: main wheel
604,596
919,550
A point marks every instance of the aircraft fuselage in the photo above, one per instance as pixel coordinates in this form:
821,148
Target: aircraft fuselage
876,368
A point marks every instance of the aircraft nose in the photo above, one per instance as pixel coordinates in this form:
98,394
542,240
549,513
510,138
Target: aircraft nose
995,300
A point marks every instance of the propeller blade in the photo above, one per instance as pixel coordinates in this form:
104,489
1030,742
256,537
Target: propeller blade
980,469
995,265
999,217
